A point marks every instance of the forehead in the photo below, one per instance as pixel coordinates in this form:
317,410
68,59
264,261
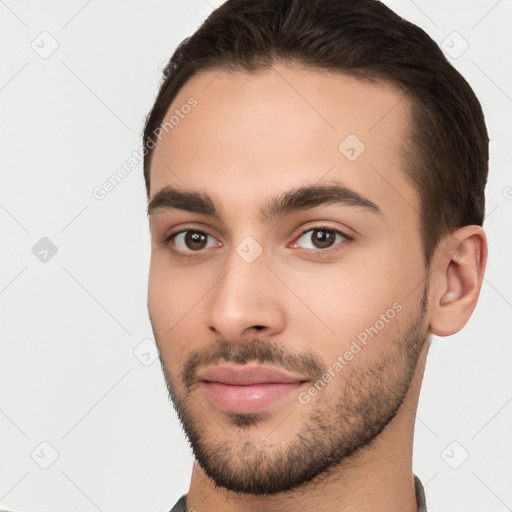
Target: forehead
251,135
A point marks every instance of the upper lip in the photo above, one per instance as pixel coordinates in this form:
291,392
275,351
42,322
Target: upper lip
247,375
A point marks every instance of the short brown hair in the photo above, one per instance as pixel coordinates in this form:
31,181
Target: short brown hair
447,152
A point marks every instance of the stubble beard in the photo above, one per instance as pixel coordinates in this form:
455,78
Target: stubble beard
370,396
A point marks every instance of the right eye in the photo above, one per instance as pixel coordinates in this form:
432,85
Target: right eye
190,241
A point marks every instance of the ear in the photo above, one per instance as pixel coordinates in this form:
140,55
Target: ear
456,278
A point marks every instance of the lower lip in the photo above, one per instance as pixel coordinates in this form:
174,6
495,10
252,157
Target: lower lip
247,399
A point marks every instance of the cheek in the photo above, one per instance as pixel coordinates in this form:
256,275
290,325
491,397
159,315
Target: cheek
351,297
175,305
172,291
170,298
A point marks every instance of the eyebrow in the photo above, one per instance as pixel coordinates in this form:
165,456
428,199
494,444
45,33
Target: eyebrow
289,202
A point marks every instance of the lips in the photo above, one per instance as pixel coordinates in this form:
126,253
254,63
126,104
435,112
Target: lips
247,389
247,375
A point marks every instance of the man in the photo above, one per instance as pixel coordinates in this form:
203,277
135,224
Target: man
315,173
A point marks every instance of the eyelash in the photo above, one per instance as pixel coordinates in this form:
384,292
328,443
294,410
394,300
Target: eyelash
167,242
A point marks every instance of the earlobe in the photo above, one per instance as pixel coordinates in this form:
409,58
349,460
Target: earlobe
457,274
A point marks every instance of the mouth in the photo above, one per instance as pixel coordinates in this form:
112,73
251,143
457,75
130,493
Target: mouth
247,389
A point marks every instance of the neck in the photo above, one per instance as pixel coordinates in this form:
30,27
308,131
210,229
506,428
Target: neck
378,477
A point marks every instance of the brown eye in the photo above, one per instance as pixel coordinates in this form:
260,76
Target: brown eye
195,240
192,241
320,238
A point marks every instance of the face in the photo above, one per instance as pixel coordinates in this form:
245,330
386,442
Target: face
286,288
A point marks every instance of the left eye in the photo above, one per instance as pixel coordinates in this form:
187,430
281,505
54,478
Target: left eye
320,238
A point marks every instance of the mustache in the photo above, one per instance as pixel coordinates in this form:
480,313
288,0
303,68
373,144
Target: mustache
261,351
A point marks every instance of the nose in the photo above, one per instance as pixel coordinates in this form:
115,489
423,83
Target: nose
247,301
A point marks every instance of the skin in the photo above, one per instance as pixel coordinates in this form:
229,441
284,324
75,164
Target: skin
252,137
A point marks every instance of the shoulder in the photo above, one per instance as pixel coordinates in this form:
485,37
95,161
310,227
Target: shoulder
180,506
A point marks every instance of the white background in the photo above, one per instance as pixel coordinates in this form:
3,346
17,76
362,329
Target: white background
69,326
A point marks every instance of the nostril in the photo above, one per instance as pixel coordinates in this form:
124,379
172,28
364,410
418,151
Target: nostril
258,327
